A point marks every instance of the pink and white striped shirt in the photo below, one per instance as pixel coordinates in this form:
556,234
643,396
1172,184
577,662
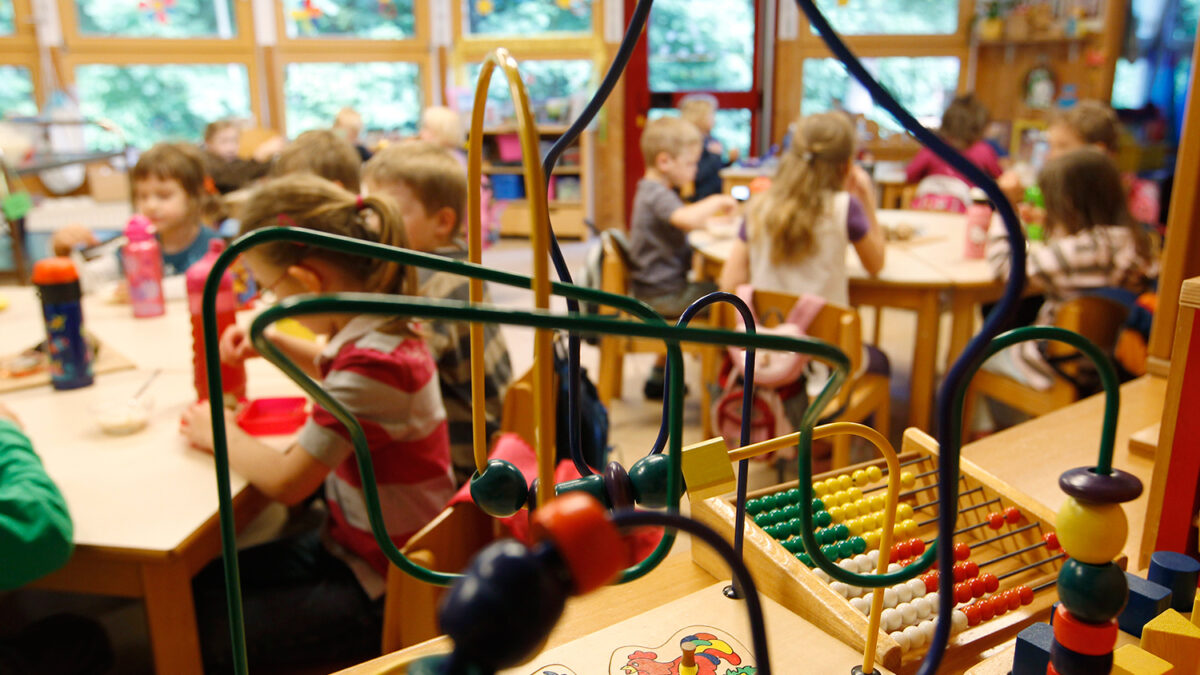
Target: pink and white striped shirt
389,383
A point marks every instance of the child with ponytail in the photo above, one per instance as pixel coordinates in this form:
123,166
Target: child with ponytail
317,597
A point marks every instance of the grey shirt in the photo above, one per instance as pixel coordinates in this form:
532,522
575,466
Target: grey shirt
660,253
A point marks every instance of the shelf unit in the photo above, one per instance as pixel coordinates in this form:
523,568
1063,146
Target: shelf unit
567,216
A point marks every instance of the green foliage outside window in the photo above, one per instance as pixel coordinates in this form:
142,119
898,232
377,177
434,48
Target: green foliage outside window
7,25
544,79
701,44
1185,21
891,17
924,85
16,92
386,94
526,18
370,19
157,18
152,103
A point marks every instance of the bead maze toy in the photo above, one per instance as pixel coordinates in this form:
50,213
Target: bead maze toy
831,531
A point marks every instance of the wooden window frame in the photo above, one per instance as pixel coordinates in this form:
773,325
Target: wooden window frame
334,47
22,39
208,49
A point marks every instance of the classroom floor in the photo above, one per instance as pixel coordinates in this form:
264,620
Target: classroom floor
634,424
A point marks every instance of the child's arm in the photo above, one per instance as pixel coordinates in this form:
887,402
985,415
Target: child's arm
736,270
289,477
695,216
236,348
871,247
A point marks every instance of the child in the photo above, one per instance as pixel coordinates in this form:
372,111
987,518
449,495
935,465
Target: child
660,255
323,153
230,172
431,188
701,110
443,127
1092,242
795,238
939,186
317,597
173,190
350,124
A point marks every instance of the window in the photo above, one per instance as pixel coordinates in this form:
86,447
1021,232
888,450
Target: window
16,92
7,25
550,84
1129,90
387,94
369,19
526,18
731,128
1185,21
924,85
701,45
156,18
153,103
889,17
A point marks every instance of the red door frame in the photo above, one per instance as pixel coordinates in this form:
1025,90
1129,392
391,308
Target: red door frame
639,100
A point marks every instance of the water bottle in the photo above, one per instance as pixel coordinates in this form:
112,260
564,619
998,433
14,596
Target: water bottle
143,263
233,378
1035,231
70,358
979,217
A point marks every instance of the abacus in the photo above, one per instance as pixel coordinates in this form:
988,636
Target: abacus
1007,554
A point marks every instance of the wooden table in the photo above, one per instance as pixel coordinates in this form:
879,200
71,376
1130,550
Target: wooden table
917,276
144,506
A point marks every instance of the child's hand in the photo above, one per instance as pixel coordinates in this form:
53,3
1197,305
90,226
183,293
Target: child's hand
70,237
236,346
721,204
196,425
858,183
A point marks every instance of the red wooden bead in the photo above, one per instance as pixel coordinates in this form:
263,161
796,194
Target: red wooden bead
978,588
1026,594
992,583
962,550
586,539
962,592
901,550
960,571
973,614
1050,669
1079,636
999,605
916,546
1051,540
995,520
985,609
1012,514
931,581
972,568
1014,598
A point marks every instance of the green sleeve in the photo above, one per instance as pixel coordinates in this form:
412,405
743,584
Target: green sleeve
35,528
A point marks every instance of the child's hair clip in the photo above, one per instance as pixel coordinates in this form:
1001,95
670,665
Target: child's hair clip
284,220
359,205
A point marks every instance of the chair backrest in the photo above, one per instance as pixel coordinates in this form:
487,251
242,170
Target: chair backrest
614,269
1095,317
518,402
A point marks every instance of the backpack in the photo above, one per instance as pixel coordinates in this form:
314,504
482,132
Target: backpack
593,418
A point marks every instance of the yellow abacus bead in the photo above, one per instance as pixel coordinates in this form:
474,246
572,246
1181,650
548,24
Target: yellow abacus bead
831,485
908,527
872,538
879,519
857,526
904,511
841,498
855,494
844,482
874,474
859,477
907,480
819,489
851,510
1091,533
837,513
877,503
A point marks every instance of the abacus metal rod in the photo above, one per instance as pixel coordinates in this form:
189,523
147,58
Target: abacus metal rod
1019,551
1024,568
962,494
1045,585
1010,533
964,509
931,486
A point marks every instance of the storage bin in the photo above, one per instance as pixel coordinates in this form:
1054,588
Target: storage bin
508,147
508,186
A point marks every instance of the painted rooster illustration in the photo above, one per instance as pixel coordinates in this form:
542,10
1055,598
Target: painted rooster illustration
711,651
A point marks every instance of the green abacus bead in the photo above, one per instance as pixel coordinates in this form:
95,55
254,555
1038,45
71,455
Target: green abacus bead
830,551
794,526
793,496
794,545
778,531
754,507
859,544
762,519
822,519
841,531
791,511
804,558
818,505
1093,593
846,549
777,500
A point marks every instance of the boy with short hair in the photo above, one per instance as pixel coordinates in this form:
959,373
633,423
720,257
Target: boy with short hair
430,186
324,153
660,255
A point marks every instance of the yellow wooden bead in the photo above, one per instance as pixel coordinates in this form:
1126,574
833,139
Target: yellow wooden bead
859,477
877,503
879,519
842,497
904,511
872,538
907,479
855,494
831,485
852,510
845,482
857,526
819,488
906,528
1091,533
874,474
837,513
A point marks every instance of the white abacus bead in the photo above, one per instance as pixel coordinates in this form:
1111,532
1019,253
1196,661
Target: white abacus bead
893,567
854,591
873,555
840,588
903,592
917,586
933,601
923,609
848,565
889,598
861,604
914,636
901,639
821,574
908,612
927,627
958,621
863,561
890,619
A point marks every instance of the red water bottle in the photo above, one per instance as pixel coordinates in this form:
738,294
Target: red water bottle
979,217
233,378
142,259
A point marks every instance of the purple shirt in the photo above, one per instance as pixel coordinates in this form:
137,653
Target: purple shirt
857,224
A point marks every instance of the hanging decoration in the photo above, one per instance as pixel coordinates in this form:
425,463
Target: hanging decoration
484,7
306,14
387,9
157,9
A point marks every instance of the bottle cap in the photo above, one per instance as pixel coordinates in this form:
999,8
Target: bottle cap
978,195
139,228
49,271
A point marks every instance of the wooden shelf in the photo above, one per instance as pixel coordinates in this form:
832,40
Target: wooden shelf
543,129
1040,40
571,170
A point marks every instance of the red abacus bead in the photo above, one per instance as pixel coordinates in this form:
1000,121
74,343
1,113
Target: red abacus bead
1051,540
985,609
999,605
1026,594
1012,514
973,614
962,592
1014,598
990,581
901,550
931,581
978,588
972,568
586,539
995,520
916,546
962,550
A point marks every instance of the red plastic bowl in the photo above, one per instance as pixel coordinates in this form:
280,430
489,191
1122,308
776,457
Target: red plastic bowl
273,416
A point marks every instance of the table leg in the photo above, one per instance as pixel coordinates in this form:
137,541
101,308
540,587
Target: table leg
171,615
924,365
962,327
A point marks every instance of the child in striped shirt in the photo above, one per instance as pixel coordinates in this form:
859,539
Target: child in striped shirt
317,597
1092,242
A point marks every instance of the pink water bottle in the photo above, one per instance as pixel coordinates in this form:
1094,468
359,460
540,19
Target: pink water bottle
143,263
979,217
233,378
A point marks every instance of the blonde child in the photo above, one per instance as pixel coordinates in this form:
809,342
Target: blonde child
940,186
230,172
323,153
430,186
795,236
349,124
1092,242
701,110
317,597
660,255
444,127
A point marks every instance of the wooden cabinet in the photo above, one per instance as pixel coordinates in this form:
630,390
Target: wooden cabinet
571,182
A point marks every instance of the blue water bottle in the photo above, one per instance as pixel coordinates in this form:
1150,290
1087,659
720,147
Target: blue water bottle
69,357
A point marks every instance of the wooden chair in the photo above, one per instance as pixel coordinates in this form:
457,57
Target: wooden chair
863,395
1098,319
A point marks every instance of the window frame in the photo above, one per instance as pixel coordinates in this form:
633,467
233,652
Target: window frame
20,48
466,44
241,43
407,48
